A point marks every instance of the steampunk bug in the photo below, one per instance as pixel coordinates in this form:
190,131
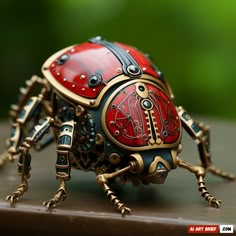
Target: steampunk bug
110,111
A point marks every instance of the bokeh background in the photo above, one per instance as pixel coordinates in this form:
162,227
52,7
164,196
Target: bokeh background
192,42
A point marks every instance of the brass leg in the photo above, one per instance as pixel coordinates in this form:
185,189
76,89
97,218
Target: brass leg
200,173
58,197
102,179
63,167
221,173
4,158
201,134
25,158
23,171
22,188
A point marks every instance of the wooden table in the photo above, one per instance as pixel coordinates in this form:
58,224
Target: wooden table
156,209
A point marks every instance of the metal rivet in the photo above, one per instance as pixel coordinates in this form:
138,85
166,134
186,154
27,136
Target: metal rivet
82,77
63,59
133,70
118,70
94,80
92,102
114,158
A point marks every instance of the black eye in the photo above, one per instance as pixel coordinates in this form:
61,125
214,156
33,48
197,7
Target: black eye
63,59
94,80
141,88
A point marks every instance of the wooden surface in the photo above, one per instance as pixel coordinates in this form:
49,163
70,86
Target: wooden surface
156,209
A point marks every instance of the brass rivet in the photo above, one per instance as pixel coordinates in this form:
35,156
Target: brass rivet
114,158
92,102
116,133
118,70
82,77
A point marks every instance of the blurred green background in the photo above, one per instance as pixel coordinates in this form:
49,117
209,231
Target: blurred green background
193,42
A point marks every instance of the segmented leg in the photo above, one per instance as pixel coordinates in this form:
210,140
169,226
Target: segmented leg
219,172
102,179
63,167
201,134
200,173
4,157
25,115
25,158
26,93
58,197
23,171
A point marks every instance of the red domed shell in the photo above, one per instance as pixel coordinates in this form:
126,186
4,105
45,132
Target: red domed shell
84,72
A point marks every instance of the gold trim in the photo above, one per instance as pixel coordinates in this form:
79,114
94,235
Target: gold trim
157,159
174,154
144,93
114,140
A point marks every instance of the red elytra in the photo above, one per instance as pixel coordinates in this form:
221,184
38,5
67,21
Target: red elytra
134,121
88,59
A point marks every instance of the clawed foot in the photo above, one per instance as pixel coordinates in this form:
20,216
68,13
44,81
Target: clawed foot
12,198
214,203
50,204
125,211
59,197
23,187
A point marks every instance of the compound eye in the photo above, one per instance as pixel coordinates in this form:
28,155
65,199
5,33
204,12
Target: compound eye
94,80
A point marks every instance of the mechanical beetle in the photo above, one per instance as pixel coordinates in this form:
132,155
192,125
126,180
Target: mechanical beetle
109,110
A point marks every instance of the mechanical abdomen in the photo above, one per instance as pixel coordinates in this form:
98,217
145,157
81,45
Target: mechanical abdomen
140,116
